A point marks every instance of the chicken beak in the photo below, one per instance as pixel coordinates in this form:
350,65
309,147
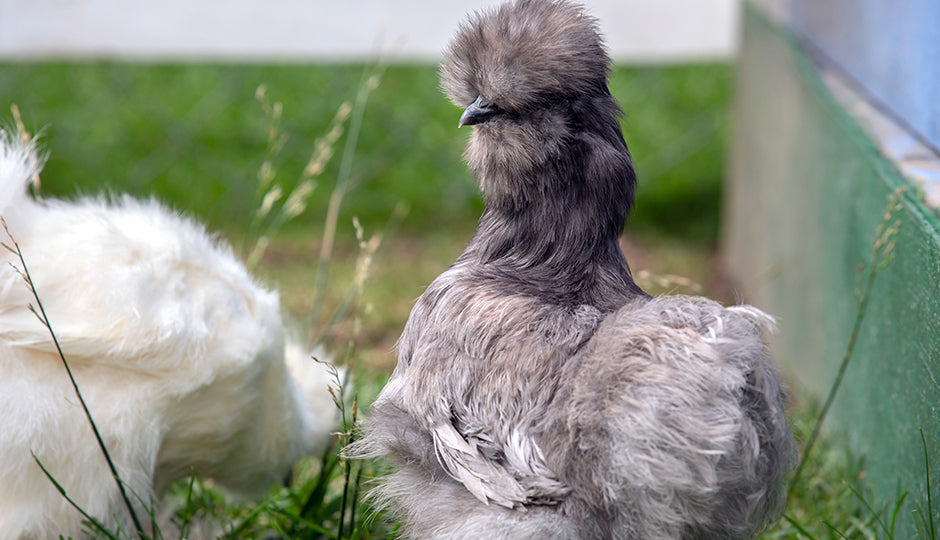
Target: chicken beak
478,112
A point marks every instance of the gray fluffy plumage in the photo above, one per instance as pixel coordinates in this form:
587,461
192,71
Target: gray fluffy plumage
539,392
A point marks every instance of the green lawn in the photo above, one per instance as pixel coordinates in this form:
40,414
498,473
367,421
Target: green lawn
194,135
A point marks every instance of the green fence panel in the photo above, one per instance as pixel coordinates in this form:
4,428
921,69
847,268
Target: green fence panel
807,192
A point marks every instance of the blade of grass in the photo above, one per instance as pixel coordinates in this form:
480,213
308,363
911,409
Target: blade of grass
876,515
319,490
97,525
933,532
44,319
897,508
920,522
798,527
367,251
247,521
306,523
347,475
833,529
157,533
269,193
355,499
371,78
881,256
184,526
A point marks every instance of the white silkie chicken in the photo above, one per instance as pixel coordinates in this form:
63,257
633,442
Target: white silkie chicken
179,353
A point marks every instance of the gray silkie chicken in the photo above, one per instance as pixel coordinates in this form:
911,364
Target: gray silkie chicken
539,392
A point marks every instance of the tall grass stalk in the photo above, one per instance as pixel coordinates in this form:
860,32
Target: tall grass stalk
96,525
371,78
185,525
347,476
925,527
882,254
346,437
647,280
324,505
364,262
35,182
311,507
272,213
40,312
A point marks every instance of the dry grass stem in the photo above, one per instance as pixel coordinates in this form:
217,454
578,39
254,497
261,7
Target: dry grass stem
40,313
882,254
647,279
355,113
268,218
26,137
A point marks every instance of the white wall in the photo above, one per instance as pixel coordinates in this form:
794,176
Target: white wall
270,30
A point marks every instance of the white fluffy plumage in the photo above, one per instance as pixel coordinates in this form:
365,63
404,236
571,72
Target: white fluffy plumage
180,354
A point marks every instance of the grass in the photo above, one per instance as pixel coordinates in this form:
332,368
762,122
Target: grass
40,312
835,502
833,499
194,135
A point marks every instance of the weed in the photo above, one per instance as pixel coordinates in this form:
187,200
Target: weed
882,255
273,210
834,501
40,312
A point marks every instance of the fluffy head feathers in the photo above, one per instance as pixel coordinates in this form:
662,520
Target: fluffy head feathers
521,54
546,147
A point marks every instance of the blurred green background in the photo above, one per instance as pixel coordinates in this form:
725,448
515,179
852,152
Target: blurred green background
194,136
